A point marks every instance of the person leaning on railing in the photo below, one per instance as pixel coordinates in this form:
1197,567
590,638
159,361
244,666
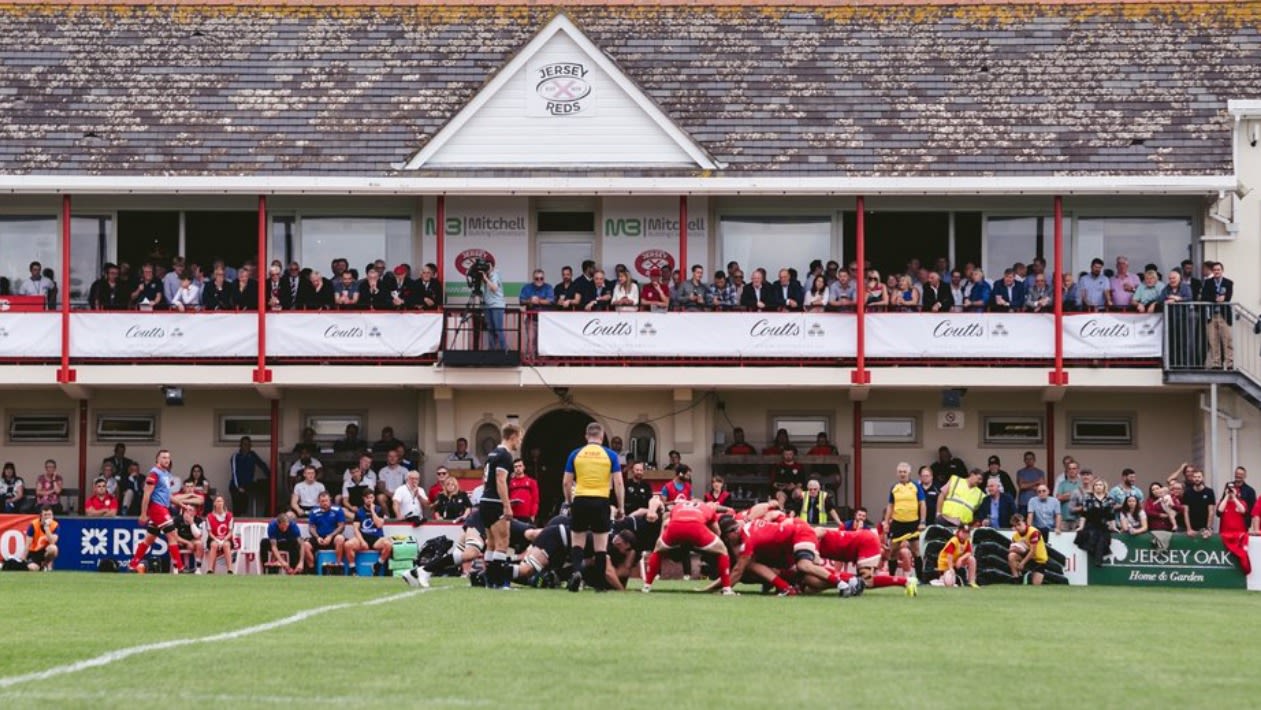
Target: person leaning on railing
625,291
602,293
1220,291
1146,298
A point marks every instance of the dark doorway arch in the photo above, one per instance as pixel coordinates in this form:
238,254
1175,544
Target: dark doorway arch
554,434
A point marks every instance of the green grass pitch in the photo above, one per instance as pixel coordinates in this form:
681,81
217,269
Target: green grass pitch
455,646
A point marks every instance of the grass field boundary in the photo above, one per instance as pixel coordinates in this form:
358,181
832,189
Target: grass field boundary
123,653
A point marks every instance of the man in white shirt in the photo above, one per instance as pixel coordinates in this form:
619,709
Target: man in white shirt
36,285
306,495
369,476
391,476
410,499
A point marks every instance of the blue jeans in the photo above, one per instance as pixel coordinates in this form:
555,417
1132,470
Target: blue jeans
495,329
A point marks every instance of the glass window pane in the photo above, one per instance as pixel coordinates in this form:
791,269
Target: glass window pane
1163,241
87,241
773,243
27,239
1009,240
359,239
802,429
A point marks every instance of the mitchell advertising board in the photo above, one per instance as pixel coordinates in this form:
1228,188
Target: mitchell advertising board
496,230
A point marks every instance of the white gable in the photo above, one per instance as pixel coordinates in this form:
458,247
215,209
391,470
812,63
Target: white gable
561,103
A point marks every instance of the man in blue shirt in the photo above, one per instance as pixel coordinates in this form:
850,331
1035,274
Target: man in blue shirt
283,536
538,293
1094,289
325,526
1028,479
493,302
246,486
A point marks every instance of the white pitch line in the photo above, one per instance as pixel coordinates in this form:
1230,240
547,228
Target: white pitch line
122,653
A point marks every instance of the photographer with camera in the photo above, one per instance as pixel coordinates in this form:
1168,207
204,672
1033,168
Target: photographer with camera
485,284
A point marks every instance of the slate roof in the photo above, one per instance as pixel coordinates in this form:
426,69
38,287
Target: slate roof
847,91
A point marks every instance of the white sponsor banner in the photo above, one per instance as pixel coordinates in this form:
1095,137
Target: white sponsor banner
353,334
138,334
961,335
744,335
30,335
494,229
1113,335
643,232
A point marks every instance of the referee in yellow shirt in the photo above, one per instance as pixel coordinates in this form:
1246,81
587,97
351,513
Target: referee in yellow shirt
904,515
588,473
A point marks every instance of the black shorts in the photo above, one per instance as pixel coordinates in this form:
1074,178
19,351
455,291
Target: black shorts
371,540
330,545
490,511
1036,567
35,557
897,529
590,514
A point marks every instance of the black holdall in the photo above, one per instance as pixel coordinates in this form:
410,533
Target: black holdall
107,565
13,564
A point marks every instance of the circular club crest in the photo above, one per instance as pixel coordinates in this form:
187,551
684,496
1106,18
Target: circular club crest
653,259
566,87
468,256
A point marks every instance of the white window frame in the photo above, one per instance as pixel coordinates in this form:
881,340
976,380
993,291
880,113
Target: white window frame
1075,419
133,415
223,438
358,417
1013,442
652,448
824,417
914,420
22,440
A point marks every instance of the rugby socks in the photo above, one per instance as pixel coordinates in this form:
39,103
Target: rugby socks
724,569
885,580
780,585
141,550
654,568
496,570
597,570
575,558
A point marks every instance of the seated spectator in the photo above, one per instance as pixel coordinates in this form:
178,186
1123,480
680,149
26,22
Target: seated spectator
777,447
1123,284
860,521
353,490
369,533
1175,291
1095,289
722,294
188,296
738,446
1131,518
410,499
108,293
306,494
48,487
936,297
758,295
997,507
133,490
523,491
676,460
325,527
1038,296
188,496
452,504
625,291
680,487
638,491
655,295
691,293
41,541
1027,552
12,490
842,293
373,294
816,507
905,298
1044,511
817,298
306,458
217,293
538,293
197,476
956,291
601,293
1071,293
392,475
788,476
976,293
717,492
1007,294
100,504
956,554
823,447
285,545
219,540
441,474
462,457
387,441
190,536
1148,295
351,441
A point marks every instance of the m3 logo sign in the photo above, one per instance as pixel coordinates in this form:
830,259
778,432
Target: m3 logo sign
630,227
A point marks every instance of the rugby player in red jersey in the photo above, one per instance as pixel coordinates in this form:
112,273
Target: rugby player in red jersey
693,525
786,544
155,514
863,549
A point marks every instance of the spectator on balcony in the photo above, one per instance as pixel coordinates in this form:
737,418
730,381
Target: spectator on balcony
957,284
217,294
947,465
757,294
976,292
48,487
937,297
736,278
566,295
788,292
273,287
1007,294
374,295
691,293
245,290
108,293
1095,289
350,441
36,284
905,298
319,296
655,295
602,293
100,504
1176,290
1123,284
1038,296
586,281
1218,290
426,290
995,470
537,294
1071,294
1146,298
997,507
625,292
738,446
294,289
346,292
188,296
493,304
876,295
148,293
1187,272
722,295
172,281
842,294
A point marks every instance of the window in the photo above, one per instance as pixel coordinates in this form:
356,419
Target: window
486,439
801,429
234,426
89,243
331,427
1001,430
890,430
25,428
1019,239
566,222
1095,430
1163,241
322,239
643,444
774,242
24,239
126,427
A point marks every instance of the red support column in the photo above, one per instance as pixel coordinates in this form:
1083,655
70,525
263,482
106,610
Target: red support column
683,269
440,234
274,458
262,375
858,451
1059,377
65,375
860,375
83,456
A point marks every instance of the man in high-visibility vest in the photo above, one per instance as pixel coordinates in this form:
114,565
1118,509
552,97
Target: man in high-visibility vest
41,541
959,499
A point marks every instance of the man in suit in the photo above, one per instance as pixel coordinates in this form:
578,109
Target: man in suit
1220,291
996,507
789,292
937,297
294,290
1008,294
426,292
759,295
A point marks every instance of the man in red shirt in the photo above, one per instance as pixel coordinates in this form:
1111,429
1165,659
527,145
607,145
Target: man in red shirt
694,525
524,492
739,447
101,504
436,489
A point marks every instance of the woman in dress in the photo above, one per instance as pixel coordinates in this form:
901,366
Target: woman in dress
906,298
1234,531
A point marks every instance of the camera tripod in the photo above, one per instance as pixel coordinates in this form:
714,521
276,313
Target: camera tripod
474,313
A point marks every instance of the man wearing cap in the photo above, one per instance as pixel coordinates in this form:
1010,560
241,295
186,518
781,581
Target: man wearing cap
401,292
996,471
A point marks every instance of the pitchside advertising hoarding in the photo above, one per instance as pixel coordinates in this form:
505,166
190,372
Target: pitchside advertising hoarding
1172,560
496,230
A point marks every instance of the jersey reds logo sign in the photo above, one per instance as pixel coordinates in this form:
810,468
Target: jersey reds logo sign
653,259
466,258
563,87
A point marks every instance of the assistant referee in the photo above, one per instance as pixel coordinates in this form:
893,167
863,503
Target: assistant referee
588,472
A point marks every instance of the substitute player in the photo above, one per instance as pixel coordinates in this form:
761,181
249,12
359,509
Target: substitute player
495,507
1028,551
588,473
956,554
692,525
155,514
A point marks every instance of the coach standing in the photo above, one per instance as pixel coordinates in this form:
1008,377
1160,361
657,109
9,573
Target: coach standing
588,472
495,510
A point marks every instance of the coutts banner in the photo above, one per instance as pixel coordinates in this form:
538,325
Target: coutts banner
1184,561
